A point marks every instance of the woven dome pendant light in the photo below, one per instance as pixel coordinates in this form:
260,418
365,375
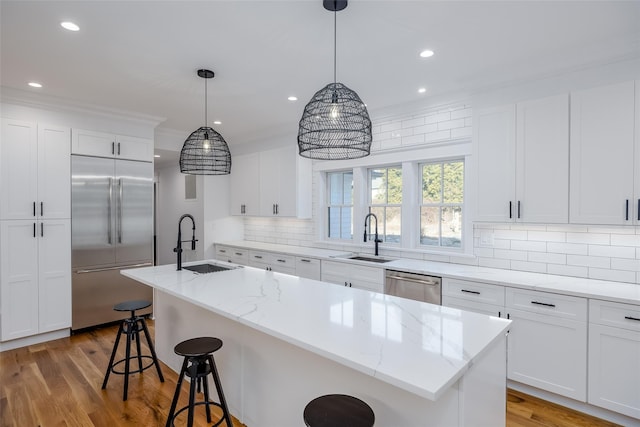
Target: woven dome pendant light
335,124
205,152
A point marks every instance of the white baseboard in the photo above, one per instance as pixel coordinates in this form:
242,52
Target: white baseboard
34,339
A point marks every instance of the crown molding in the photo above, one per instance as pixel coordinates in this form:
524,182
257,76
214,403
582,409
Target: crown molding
29,99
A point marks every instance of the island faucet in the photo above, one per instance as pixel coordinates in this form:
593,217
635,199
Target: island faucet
178,248
376,240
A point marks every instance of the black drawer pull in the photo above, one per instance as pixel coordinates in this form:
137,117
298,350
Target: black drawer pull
34,208
469,292
239,253
543,303
281,260
632,318
305,260
257,256
223,251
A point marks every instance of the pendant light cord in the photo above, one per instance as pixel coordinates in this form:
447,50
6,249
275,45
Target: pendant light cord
335,43
205,102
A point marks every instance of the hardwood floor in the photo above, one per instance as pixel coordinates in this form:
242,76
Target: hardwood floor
58,384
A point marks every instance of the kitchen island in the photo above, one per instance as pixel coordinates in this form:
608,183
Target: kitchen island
288,340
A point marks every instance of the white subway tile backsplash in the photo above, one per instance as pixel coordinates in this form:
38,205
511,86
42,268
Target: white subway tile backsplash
428,128
528,227
503,243
451,124
612,251
625,264
589,261
568,248
461,114
440,135
411,123
589,238
547,236
511,234
494,263
388,127
483,252
510,254
568,270
567,228
548,258
611,229
535,267
440,117
526,245
413,140
613,275
464,132
625,240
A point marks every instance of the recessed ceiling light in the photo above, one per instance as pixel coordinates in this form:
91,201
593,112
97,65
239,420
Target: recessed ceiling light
217,122
426,53
422,90
68,25
292,98
156,155
35,84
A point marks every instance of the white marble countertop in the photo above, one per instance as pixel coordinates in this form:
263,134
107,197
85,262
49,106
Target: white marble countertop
589,288
418,347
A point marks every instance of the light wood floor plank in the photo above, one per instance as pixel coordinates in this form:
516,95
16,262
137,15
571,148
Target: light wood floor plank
58,384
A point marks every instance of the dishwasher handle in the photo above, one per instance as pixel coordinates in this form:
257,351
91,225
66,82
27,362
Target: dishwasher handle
409,279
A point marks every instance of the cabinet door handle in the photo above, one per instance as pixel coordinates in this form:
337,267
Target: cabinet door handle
41,208
638,210
469,292
118,148
510,210
113,148
546,304
305,260
518,209
34,230
41,229
34,208
632,318
499,314
626,215
350,284
277,209
345,283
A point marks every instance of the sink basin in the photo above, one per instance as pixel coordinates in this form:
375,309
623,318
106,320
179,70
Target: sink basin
369,259
207,268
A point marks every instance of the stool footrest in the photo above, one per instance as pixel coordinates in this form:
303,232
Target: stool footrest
211,403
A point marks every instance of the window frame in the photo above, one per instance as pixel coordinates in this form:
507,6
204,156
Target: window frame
328,205
382,222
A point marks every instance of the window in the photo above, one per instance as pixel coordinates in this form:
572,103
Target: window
441,204
340,204
385,201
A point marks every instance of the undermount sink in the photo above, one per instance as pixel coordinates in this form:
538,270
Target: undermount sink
207,268
368,259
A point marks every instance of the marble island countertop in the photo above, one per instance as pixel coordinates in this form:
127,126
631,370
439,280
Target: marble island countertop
576,286
418,347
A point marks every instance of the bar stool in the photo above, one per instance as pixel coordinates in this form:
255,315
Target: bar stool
198,363
338,410
131,327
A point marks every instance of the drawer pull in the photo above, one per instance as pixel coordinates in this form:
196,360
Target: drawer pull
305,260
281,260
632,318
257,256
466,291
223,251
239,253
543,303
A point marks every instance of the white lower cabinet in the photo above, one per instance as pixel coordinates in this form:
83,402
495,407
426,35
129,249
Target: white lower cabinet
35,277
351,275
547,343
309,268
271,261
614,357
232,255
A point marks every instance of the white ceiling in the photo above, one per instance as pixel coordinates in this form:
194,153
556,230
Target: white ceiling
142,56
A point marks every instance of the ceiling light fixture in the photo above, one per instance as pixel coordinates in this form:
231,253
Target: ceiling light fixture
335,124
292,98
426,53
205,152
35,84
422,90
217,122
67,25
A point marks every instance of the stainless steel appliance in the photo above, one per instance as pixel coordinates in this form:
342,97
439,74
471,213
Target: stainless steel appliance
111,229
414,286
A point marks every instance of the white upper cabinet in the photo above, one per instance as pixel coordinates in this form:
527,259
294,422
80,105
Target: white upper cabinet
602,156
271,183
101,144
35,170
245,178
521,153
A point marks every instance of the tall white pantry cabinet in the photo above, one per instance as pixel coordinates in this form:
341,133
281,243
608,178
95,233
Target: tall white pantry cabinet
35,229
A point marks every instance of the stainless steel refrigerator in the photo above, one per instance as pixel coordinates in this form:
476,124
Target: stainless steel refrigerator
111,229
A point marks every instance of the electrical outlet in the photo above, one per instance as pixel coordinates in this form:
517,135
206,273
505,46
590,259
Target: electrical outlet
486,238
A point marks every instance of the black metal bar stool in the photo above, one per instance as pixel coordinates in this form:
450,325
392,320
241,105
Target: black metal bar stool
338,410
198,363
131,327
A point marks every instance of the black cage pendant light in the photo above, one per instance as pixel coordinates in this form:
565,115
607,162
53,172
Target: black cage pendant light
205,152
335,124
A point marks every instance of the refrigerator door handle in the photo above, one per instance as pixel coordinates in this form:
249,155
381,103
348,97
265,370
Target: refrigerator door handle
120,267
119,219
110,200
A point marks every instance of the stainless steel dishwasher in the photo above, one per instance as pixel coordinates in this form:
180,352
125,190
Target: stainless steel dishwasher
414,286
